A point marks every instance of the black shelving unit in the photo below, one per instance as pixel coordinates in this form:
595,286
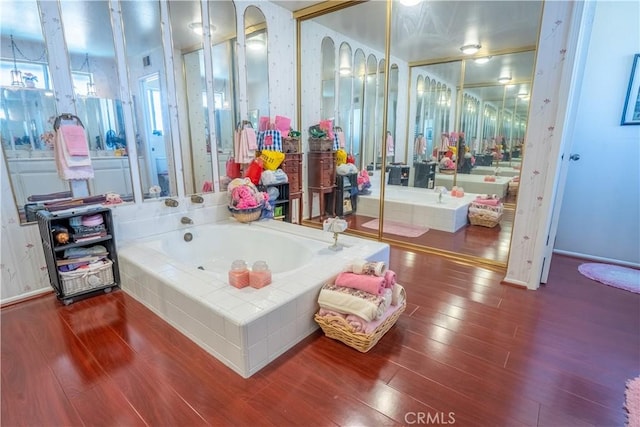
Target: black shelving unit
346,196
281,209
91,282
398,175
425,174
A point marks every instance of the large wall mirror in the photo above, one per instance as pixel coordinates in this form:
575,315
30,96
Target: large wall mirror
29,107
148,83
451,105
94,71
257,63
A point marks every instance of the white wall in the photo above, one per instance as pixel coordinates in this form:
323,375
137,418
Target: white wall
600,213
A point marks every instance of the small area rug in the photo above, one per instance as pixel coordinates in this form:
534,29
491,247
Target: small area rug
613,275
632,404
397,228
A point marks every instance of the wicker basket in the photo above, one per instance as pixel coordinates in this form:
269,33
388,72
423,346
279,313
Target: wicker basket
337,328
320,144
290,145
484,219
447,171
513,188
246,215
83,279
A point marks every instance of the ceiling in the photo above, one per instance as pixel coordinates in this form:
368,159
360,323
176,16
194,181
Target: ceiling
430,30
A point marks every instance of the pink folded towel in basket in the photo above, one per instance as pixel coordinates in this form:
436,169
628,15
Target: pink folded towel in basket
364,282
488,202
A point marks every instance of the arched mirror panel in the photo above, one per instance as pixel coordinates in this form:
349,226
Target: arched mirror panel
148,83
195,141
359,79
328,77
226,111
257,64
345,91
392,119
380,134
369,123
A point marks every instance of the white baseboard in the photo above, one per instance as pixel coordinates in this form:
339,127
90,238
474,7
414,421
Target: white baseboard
25,296
596,258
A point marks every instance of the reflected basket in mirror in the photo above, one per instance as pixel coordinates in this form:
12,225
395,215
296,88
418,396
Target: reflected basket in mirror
290,145
320,144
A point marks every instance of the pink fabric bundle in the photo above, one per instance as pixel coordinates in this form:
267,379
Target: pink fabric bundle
389,279
488,202
371,284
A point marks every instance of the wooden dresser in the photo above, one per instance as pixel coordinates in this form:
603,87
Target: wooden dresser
321,179
292,166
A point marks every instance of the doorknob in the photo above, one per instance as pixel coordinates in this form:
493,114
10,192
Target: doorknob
574,157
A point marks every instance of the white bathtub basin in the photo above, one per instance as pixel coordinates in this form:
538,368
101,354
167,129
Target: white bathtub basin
185,283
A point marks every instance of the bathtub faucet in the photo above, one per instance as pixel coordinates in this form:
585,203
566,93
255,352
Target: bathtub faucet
172,203
186,220
197,199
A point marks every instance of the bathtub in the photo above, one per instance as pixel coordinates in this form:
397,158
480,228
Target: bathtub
418,206
185,283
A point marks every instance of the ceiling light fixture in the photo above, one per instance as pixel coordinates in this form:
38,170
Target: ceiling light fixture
504,79
483,60
196,27
470,49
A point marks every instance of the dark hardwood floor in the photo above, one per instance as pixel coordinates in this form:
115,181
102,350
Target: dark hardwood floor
467,350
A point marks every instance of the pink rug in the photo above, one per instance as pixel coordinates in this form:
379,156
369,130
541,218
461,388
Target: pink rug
397,228
613,275
632,404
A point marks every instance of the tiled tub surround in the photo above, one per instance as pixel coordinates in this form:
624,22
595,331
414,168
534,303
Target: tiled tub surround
244,328
418,206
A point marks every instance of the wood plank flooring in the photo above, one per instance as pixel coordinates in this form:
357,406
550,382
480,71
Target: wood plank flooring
467,350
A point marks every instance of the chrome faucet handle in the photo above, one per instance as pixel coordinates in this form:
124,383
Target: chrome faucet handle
172,203
195,198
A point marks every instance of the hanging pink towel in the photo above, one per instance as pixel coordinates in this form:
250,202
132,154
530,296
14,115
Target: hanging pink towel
252,140
75,140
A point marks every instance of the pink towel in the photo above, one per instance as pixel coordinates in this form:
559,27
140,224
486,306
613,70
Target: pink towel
389,279
488,202
75,140
371,284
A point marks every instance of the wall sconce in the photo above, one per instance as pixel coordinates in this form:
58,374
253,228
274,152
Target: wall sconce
345,71
482,60
16,75
470,49
256,43
196,27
